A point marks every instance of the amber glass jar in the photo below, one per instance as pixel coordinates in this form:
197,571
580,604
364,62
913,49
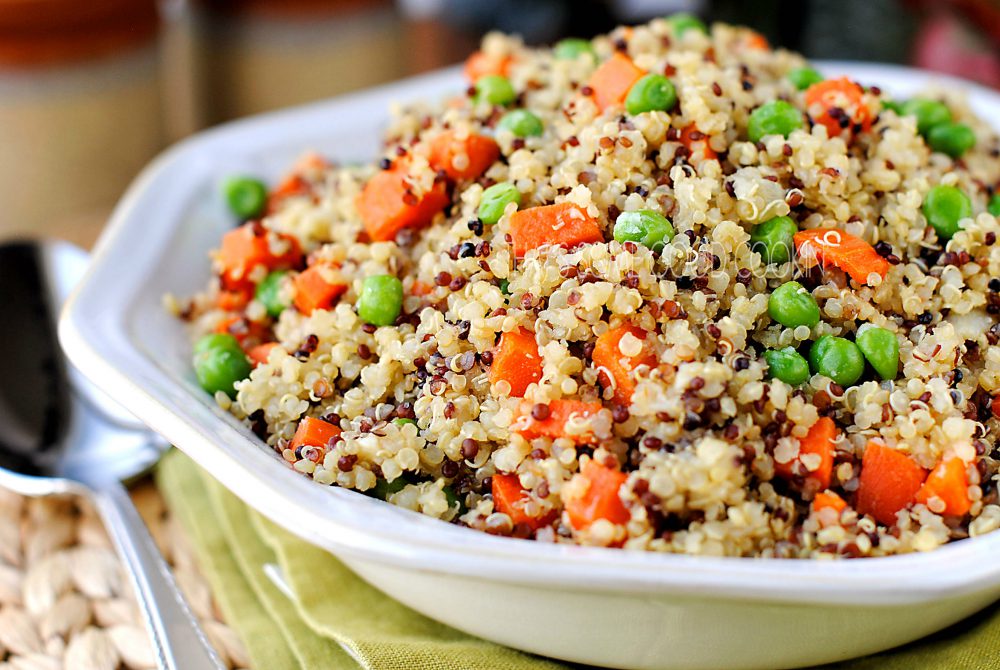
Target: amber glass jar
80,110
259,55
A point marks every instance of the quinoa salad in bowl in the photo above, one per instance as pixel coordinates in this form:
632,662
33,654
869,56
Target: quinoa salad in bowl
668,289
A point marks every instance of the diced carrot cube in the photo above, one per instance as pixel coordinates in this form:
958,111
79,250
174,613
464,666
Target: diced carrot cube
388,203
233,301
949,483
509,498
842,94
564,224
836,247
696,142
463,158
818,441
259,354
248,333
600,500
829,500
889,482
313,291
560,413
250,245
615,368
516,361
480,64
314,433
613,79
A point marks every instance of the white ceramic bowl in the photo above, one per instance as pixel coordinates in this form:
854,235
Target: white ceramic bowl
598,606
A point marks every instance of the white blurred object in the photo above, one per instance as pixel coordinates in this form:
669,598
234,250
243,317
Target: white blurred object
80,110
420,9
259,60
641,10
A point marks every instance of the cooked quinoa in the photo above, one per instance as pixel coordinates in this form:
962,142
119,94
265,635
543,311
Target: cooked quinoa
540,379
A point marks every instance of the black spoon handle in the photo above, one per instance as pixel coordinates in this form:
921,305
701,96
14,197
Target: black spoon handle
34,388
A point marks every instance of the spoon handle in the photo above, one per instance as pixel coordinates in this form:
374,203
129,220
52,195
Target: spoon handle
178,640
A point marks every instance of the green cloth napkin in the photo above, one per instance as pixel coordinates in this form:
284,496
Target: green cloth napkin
336,621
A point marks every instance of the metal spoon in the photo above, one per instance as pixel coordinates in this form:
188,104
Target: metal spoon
60,435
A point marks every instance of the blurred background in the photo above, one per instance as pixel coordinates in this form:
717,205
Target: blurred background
91,90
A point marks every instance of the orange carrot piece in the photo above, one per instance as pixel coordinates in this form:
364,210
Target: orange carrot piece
474,153
421,288
314,433
755,41
889,482
849,253
601,500
694,141
613,79
291,186
233,301
564,224
827,508
819,440
295,184
615,367
842,94
387,204
250,245
480,64
561,411
516,361
310,162
950,483
829,500
509,498
247,333
258,355
313,291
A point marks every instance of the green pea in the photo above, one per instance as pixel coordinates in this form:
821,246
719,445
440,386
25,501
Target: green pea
773,239
929,113
383,489
495,89
773,118
994,205
495,200
804,77
944,207
399,421
572,47
268,293
787,365
838,359
648,228
522,123
817,349
893,105
953,139
454,502
681,22
219,362
381,300
245,196
654,92
505,287
792,306
881,348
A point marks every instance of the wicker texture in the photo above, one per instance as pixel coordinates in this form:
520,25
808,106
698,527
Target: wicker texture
65,601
